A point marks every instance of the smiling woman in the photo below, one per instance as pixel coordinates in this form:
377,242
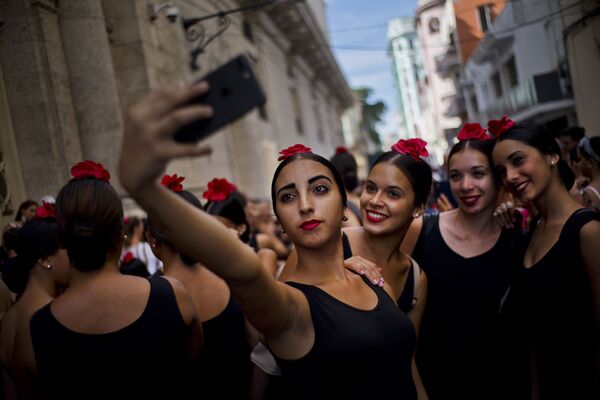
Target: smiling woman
562,261
467,259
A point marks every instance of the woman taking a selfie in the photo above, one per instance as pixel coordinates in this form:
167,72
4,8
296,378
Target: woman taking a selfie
328,322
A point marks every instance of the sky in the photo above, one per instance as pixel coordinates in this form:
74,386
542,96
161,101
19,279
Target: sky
363,24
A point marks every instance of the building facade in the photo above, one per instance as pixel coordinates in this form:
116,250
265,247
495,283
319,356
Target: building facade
519,69
437,91
407,69
581,30
69,69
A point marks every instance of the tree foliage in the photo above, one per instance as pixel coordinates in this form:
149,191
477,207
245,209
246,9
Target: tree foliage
371,113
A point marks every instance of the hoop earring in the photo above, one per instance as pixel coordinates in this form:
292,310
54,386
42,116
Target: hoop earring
345,218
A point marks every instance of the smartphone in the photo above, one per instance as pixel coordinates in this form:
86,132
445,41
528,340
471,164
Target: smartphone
234,91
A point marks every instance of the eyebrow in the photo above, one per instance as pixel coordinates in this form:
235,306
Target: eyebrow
512,155
389,187
316,178
288,186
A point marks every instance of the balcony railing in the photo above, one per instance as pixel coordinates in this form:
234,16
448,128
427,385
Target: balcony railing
447,62
539,89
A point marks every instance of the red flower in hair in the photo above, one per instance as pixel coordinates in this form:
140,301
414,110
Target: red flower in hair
218,190
295,149
46,210
126,220
89,169
498,126
472,131
340,150
413,147
173,182
128,257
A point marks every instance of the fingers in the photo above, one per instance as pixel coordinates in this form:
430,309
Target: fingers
178,118
365,267
171,150
504,215
161,102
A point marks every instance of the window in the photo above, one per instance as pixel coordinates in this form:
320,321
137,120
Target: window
497,84
473,101
485,17
511,72
434,25
297,110
247,29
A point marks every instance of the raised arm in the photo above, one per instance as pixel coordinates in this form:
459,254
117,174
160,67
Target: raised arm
147,147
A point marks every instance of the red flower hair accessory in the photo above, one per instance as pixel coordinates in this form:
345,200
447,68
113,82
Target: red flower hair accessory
219,190
498,126
128,257
46,210
173,182
295,149
413,147
472,132
341,150
89,169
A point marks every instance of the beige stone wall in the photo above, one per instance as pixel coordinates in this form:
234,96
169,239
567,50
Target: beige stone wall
71,69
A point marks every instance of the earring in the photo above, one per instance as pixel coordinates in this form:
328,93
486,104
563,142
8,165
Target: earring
553,163
282,230
49,266
416,215
345,218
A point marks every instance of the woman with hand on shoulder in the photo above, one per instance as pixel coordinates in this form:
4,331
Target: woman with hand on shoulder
45,271
468,259
555,296
109,334
328,323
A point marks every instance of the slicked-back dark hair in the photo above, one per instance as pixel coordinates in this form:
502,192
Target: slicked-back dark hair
38,238
314,157
418,173
538,137
232,208
89,213
157,233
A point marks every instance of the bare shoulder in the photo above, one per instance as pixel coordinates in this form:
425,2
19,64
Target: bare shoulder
590,235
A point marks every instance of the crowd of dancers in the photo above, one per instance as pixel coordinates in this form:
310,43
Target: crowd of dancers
378,297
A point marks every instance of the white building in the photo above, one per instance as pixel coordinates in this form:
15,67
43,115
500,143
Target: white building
437,90
404,49
519,68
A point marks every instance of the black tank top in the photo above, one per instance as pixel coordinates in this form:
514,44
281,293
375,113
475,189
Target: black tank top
145,360
459,352
406,300
357,354
553,310
227,369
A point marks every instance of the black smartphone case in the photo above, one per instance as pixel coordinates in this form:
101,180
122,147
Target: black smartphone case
234,91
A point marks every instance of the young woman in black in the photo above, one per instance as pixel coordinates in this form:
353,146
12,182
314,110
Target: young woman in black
328,323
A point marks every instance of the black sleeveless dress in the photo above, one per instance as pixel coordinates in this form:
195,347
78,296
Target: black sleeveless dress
460,342
406,299
553,315
144,360
226,365
357,354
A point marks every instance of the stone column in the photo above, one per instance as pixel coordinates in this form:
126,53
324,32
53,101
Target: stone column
40,120
92,79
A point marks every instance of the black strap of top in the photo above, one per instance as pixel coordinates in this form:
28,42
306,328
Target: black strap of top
346,245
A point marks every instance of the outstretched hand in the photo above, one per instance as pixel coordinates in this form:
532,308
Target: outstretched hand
148,135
